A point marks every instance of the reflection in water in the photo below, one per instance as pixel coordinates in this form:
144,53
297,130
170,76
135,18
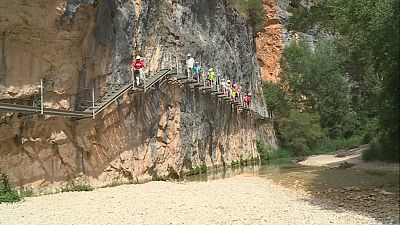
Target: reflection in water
372,192
260,170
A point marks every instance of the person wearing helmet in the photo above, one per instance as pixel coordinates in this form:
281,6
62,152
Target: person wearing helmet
248,100
197,69
222,85
234,92
245,99
138,73
211,77
228,88
189,65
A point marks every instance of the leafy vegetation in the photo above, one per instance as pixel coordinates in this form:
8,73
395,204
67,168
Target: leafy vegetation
313,102
263,151
197,170
300,132
266,154
350,80
6,193
156,177
253,11
72,186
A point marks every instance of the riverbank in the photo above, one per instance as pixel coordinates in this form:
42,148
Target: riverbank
349,158
243,199
342,180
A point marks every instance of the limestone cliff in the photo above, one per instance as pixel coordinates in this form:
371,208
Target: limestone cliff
77,45
272,39
270,43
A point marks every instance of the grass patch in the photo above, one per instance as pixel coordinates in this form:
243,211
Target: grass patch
268,154
281,153
330,145
77,187
114,183
263,151
235,163
376,172
156,177
27,193
197,170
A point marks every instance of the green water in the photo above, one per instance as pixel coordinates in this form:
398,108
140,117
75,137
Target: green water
312,178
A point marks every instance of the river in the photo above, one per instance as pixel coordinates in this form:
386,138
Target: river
371,192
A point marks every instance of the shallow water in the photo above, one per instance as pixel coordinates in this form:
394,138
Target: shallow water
312,178
371,192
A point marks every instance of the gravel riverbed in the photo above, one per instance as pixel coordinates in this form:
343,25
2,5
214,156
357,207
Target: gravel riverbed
243,199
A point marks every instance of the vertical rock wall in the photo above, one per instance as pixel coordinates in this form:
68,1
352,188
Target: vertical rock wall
270,44
77,45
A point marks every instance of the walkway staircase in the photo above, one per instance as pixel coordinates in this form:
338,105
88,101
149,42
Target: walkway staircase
257,111
37,110
96,107
114,94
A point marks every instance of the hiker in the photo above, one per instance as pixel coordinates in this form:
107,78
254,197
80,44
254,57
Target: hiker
234,92
189,65
245,100
228,88
240,97
218,80
211,77
197,69
138,73
248,99
222,85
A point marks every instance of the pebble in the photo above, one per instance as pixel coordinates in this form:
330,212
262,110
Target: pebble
215,202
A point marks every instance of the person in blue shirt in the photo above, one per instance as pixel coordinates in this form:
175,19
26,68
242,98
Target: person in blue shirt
197,71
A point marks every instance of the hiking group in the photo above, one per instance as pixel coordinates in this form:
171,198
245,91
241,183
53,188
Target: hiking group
194,70
214,80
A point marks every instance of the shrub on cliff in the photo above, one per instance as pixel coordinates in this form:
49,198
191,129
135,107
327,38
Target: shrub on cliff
6,193
253,11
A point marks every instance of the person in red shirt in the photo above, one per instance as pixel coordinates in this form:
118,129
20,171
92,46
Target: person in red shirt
138,73
246,100
249,100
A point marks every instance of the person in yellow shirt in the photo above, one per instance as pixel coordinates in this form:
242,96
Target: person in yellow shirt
211,76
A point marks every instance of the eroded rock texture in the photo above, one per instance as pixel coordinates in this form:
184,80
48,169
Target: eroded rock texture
270,44
77,45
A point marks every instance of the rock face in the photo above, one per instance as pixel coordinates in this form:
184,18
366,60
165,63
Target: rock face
77,45
271,41
270,44
310,37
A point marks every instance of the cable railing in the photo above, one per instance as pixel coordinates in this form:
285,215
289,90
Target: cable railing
222,88
98,95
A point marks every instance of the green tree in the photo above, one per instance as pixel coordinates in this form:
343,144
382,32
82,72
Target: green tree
300,131
276,98
367,36
316,83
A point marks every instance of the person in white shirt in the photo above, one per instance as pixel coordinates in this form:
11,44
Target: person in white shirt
222,85
190,65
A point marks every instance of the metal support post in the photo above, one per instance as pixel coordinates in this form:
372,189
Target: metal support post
41,97
93,110
177,66
133,79
170,60
144,81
